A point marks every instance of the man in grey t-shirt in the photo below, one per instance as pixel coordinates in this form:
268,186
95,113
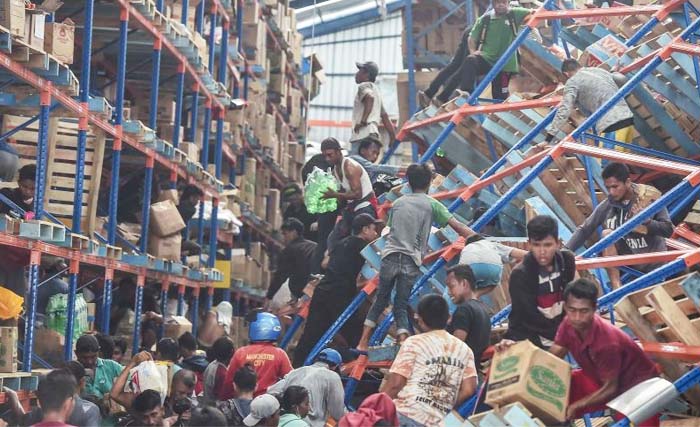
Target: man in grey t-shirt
410,221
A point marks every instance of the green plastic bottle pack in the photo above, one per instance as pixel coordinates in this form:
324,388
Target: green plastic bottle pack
317,183
56,314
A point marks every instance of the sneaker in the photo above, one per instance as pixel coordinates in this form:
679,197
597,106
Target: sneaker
462,93
423,99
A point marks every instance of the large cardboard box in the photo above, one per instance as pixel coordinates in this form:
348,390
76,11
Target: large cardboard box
59,40
169,194
8,349
536,378
165,247
191,150
422,79
34,30
175,326
12,16
165,219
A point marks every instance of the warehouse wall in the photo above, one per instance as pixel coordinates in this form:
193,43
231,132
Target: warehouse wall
380,42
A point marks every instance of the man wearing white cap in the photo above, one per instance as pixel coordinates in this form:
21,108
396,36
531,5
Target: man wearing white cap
368,111
264,412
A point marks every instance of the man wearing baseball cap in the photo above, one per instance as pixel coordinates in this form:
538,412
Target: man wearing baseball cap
367,110
294,260
264,412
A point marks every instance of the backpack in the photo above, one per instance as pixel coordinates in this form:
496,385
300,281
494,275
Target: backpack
486,21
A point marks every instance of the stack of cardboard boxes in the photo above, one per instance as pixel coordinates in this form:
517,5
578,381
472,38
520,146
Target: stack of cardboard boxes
253,268
30,26
165,239
442,40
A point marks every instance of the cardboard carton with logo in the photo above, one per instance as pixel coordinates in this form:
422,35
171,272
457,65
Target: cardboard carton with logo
527,374
59,40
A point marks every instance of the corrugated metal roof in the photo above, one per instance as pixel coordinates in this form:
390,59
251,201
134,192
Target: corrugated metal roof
379,42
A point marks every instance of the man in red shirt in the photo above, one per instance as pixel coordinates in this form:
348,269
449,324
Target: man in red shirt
55,394
611,362
270,362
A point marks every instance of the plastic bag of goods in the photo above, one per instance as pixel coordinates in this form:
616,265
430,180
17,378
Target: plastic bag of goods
56,314
317,183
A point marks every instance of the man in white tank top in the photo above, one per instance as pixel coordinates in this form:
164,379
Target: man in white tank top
355,190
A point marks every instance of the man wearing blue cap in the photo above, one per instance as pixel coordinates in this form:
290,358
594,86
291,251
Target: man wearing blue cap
326,393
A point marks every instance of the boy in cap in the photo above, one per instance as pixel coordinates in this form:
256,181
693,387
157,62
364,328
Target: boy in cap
367,110
264,412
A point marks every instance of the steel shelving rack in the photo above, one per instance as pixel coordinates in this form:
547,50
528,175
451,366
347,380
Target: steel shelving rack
200,92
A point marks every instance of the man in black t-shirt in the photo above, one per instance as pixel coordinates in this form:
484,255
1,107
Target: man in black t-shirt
470,322
338,288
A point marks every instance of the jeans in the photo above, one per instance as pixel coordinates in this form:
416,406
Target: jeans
472,67
404,421
400,270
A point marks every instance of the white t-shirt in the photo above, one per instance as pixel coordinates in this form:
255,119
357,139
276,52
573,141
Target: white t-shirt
374,117
434,365
486,252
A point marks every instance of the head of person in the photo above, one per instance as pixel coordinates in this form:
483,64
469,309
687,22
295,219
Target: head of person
27,182
182,384
55,393
501,7
222,350
149,334
295,400
460,283
366,72
207,416
187,345
106,346
293,194
369,150
616,178
432,313
167,350
264,327
580,303
147,409
76,368
419,177
191,194
264,412
245,380
331,358
119,349
569,67
332,151
366,227
292,229
87,349
543,238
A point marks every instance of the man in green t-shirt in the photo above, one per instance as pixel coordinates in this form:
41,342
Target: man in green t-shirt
491,35
104,371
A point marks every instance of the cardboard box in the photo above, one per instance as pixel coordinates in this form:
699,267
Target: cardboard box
34,30
423,79
165,219
167,132
165,247
12,16
175,326
536,378
170,194
8,349
166,111
59,40
191,150
251,12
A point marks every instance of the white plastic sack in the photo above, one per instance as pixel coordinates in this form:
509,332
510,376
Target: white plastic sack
147,376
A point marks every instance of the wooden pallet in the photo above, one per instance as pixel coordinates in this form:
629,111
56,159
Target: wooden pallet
664,313
60,169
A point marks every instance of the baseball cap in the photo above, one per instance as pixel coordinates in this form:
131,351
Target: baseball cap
371,67
363,220
293,224
261,407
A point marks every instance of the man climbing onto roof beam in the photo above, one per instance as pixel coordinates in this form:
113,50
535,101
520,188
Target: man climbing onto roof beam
588,88
625,199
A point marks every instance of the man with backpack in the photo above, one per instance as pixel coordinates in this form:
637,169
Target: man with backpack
479,49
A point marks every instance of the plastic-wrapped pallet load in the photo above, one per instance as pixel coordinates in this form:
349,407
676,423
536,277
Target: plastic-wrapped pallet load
317,183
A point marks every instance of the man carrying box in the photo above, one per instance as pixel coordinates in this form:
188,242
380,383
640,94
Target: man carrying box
611,362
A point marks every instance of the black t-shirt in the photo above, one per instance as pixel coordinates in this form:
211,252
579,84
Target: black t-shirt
15,196
473,317
299,212
344,264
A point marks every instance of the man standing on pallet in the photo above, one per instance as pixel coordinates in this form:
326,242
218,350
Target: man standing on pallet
491,35
355,190
368,111
588,89
625,200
